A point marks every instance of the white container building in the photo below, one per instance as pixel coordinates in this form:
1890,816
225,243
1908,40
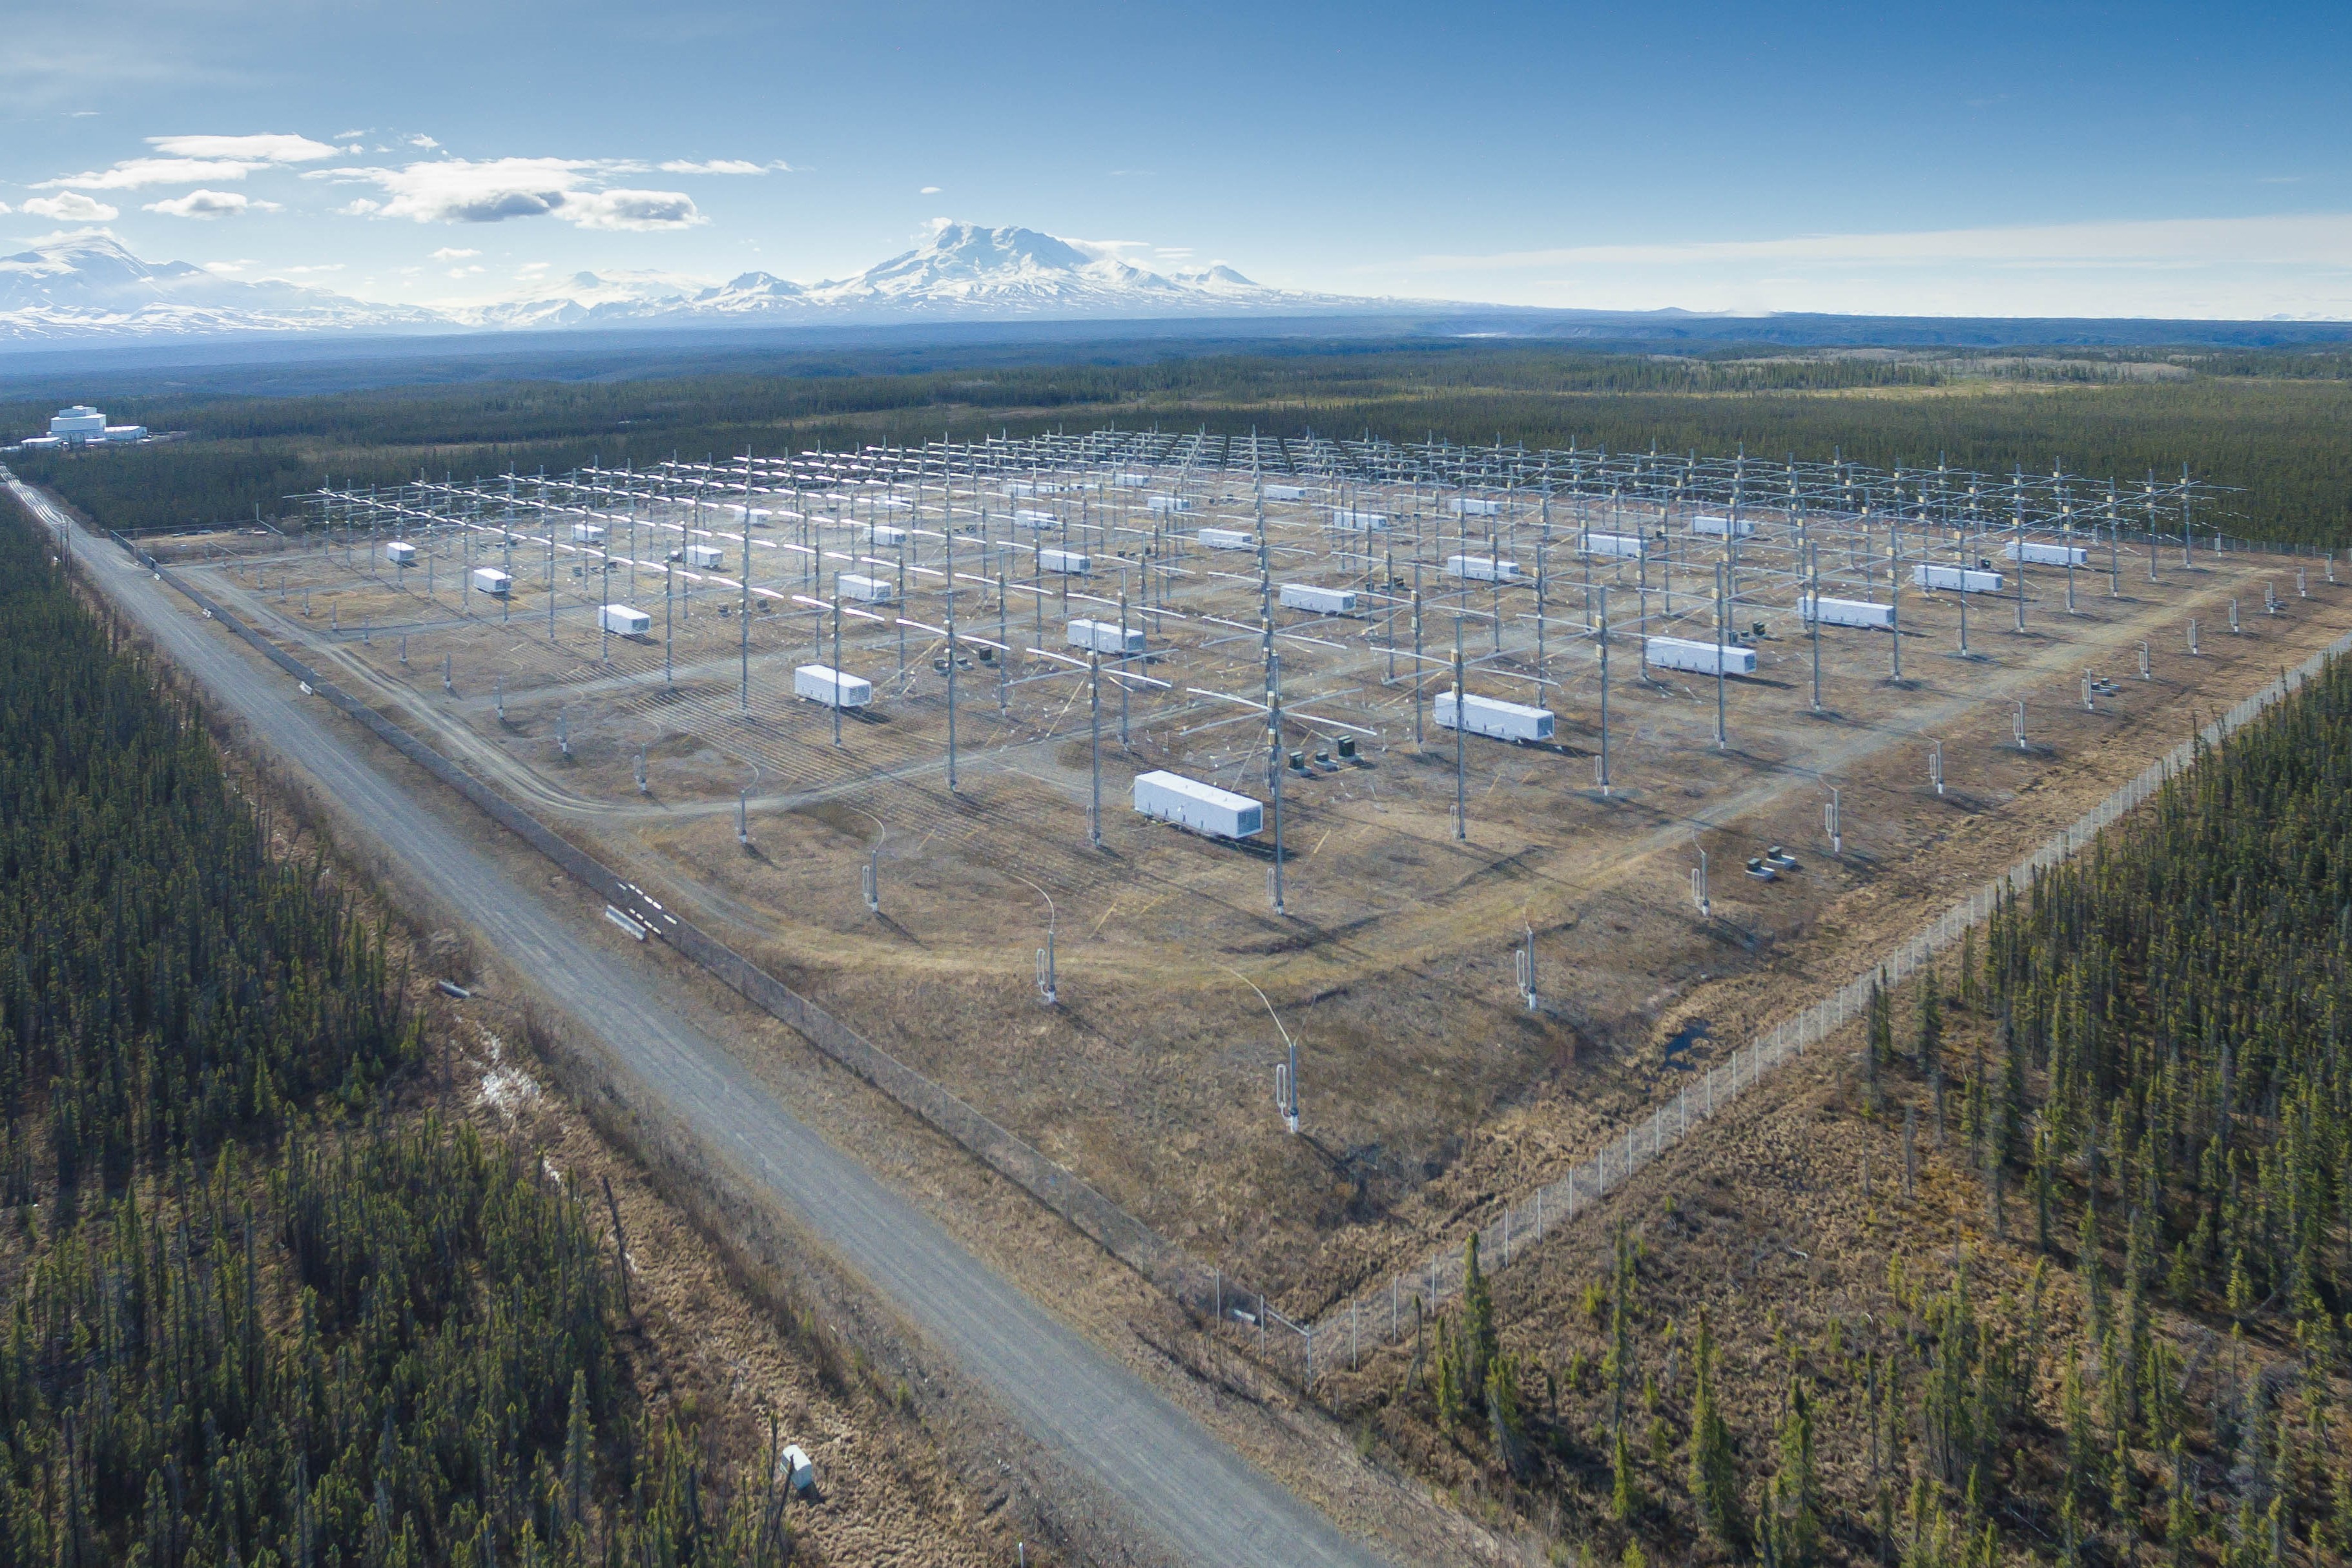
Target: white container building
126,432
1203,809
1131,481
1030,488
1722,527
704,556
622,621
1227,538
1699,658
1029,517
884,536
1104,636
2046,554
1322,601
1284,492
587,533
823,683
1070,562
1168,503
1359,522
1847,612
1470,506
1482,568
1956,579
491,580
1618,546
400,553
1500,720
864,590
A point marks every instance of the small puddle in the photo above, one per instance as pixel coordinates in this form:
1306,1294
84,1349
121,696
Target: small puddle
1679,1044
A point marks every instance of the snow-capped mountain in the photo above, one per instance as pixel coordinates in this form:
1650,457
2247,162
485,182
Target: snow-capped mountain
88,286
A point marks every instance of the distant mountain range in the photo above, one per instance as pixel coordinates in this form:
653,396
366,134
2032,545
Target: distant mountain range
87,288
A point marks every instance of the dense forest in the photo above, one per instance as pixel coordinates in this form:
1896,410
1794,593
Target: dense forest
2119,1334
2263,421
256,1314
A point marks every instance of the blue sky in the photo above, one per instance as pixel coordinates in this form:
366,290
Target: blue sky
2066,159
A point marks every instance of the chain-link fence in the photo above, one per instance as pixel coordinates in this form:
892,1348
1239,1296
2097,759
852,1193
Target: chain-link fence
1389,1310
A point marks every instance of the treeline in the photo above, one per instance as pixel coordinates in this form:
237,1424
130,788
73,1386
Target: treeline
2141,1074
252,1317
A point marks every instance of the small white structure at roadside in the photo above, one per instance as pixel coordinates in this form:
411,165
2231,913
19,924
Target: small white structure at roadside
823,683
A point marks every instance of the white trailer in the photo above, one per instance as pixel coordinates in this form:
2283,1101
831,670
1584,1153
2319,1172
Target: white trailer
622,621
1227,538
823,683
1203,809
2046,554
1482,568
1322,601
1619,546
1030,517
1104,636
1131,481
1698,658
1486,716
587,533
1168,503
704,556
864,590
491,580
1284,492
884,536
1030,488
1722,527
400,553
1470,506
1071,561
1356,521
1847,612
1956,579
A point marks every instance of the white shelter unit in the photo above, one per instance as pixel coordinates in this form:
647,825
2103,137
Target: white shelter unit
1203,809
1168,503
622,621
704,556
1620,546
1284,492
1486,716
1030,488
884,536
1131,481
587,533
1322,601
1064,561
1846,612
1359,522
823,683
1471,506
1956,579
491,580
2046,554
1227,538
1699,658
1104,636
1722,527
864,590
1029,517
126,432
400,553
1482,568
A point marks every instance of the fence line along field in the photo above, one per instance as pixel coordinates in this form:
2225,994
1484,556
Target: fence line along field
878,718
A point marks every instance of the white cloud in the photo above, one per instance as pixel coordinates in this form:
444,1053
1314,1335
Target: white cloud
464,271
319,267
132,173
425,141
350,135
229,269
928,191
529,267
453,253
459,190
71,207
715,166
264,149
5,209
358,206
211,205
